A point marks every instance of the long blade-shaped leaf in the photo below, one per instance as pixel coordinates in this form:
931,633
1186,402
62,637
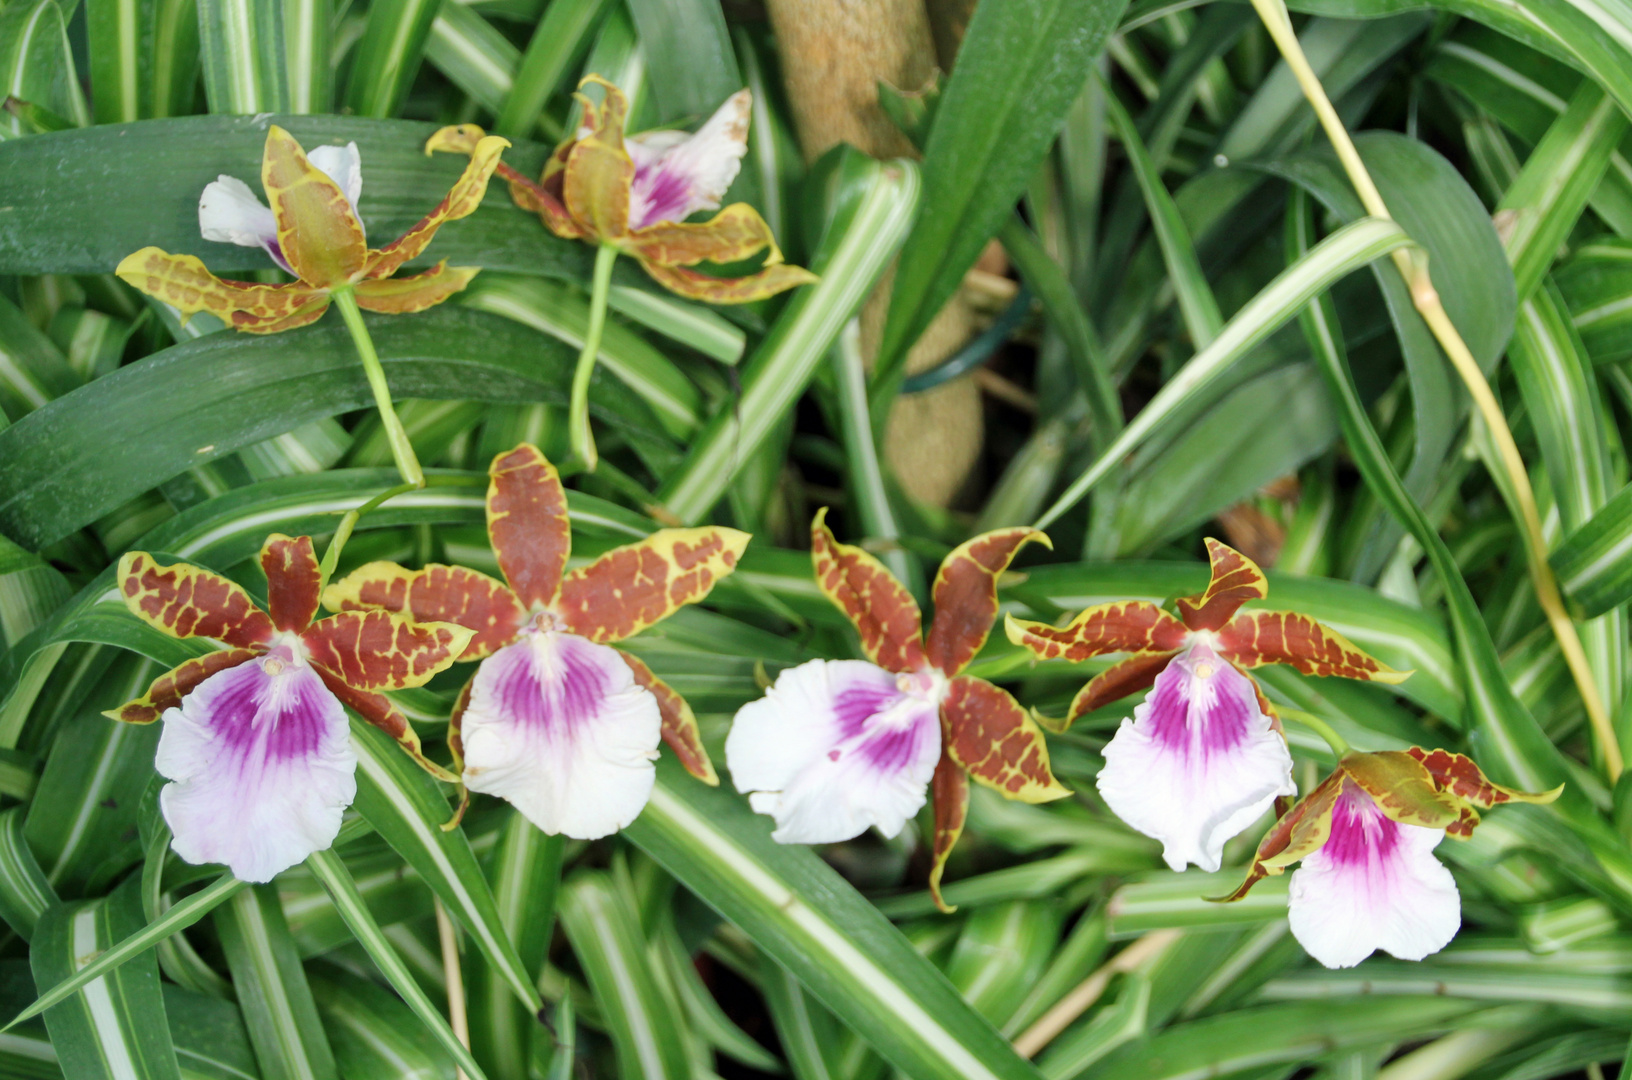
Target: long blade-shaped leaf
271,987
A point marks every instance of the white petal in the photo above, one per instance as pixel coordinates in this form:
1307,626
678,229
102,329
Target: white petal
1375,884
344,166
833,748
1198,762
229,213
263,767
675,178
559,727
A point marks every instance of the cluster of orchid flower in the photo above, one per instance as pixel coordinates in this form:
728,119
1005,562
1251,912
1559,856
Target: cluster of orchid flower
256,741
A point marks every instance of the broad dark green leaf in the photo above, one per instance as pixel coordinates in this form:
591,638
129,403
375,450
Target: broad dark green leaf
991,130
688,54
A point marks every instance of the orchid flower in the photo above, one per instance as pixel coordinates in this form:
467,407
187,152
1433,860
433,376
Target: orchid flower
837,746
1366,836
255,742
1203,756
313,231
632,195
555,720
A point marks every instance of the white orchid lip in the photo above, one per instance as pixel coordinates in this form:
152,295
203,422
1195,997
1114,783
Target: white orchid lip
836,747
677,174
261,764
1374,884
1199,762
558,726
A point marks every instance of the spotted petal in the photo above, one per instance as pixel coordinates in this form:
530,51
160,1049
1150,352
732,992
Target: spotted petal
833,748
435,594
1131,626
950,790
262,767
966,595
991,736
1138,672
461,201
168,689
882,610
1198,763
1374,884
599,170
527,522
680,731
696,285
184,602
416,292
382,650
560,727
183,282
675,175
1300,831
318,230
1457,775
735,233
1235,580
634,586
294,580
1255,638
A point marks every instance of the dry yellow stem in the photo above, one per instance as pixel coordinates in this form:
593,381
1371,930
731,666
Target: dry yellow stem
1413,267
457,1018
1080,1000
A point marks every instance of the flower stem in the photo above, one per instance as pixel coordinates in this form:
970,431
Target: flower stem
337,543
1413,267
1319,727
401,449
583,442
457,1017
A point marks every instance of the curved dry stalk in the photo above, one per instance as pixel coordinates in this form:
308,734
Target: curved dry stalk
1413,267
1031,1041
457,1016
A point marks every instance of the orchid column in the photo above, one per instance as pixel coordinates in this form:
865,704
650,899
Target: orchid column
313,231
632,195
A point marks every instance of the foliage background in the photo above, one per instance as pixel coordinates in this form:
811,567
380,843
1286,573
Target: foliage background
1157,184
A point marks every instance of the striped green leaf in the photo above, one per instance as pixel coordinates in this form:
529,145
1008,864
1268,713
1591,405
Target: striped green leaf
37,64
802,915
387,58
271,988
374,1035
24,891
473,54
308,38
560,38
693,67
1594,563
242,53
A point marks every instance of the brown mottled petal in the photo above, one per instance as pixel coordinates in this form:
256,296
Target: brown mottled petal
1462,828
528,524
1402,789
990,735
318,231
949,789
882,610
382,650
1299,832
378,710
1131,626
695,285
1255,638
966,595
293,580
182,282
455,139
1236,579
461,201
1116,682
631,587
406,295
456,748
168,689
538,198
735,233
599,170
1458,775
437,593
184,601
680,729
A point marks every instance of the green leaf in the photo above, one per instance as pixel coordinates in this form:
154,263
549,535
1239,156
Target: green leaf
804,916
374,1035
473,54
1337,255
24,891
408,809
1594,563
204,399
271,988
387,58
688,54
37,65
855,251
607,941
991,131
561,36
242,53
331,871
116,1025
308,35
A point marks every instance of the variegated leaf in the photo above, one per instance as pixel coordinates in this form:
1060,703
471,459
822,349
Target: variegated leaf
634,586
966,595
